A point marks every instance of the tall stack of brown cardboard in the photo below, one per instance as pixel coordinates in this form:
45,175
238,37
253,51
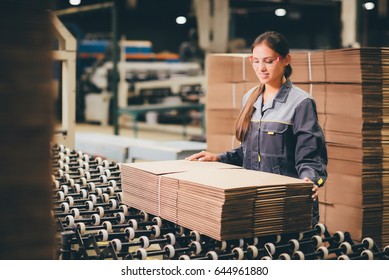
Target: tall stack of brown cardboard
351,111
353,198
229,77
26,125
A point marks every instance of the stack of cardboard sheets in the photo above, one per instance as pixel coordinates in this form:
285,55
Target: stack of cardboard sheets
351,99
308,67
142,181
218,200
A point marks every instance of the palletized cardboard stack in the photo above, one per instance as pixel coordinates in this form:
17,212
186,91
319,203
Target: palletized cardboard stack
229,77
221,201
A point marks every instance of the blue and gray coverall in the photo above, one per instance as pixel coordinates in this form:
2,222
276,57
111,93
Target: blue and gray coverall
285,138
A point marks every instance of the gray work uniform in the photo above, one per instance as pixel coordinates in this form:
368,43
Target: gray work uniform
285,138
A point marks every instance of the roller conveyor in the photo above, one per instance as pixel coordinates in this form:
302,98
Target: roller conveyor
95,224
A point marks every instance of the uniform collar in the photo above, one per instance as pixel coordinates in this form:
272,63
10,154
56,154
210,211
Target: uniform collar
280,97
284,91
258,103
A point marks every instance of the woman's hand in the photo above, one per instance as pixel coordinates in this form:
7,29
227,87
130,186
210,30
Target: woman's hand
204,156
315,189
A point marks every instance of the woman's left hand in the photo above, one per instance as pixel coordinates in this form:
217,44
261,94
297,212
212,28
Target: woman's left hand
315,189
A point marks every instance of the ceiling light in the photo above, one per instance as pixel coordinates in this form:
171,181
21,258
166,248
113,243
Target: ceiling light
181,20
368,5
75,2
280,12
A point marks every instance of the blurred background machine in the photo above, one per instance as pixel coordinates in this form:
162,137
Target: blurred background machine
144,78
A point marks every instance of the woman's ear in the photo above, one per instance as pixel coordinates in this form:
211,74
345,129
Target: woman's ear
287,60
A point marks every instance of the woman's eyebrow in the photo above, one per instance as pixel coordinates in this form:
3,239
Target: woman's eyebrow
266,57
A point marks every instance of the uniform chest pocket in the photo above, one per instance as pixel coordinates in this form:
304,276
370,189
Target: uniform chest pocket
272,140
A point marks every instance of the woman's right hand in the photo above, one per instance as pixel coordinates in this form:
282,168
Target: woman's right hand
204,156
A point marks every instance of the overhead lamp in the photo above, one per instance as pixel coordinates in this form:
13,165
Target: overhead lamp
280,12
368,6
74,2
181,20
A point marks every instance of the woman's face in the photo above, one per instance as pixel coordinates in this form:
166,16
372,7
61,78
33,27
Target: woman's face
268,64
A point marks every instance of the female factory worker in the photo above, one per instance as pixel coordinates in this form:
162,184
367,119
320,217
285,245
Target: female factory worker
277,126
